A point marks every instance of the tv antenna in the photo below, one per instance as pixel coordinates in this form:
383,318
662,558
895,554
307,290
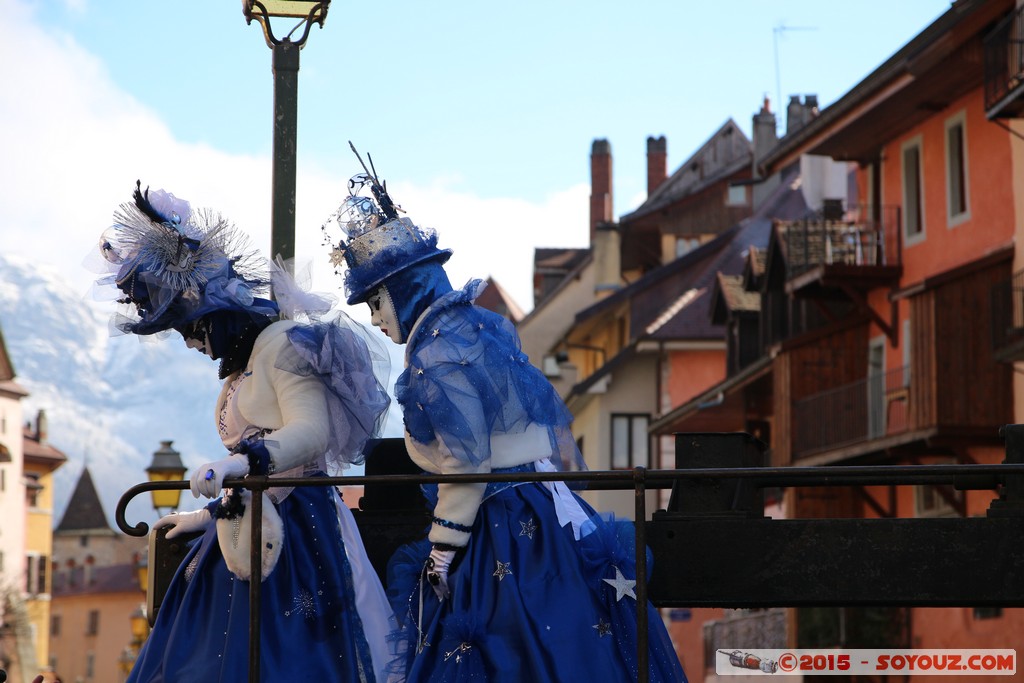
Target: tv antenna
778,31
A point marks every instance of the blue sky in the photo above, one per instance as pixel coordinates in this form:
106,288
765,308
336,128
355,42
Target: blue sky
479,115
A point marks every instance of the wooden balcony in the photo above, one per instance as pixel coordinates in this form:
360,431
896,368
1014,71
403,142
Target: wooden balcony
837,253
1008,319
870,410
1004,68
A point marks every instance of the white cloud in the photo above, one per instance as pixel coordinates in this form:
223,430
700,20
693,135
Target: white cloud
74,144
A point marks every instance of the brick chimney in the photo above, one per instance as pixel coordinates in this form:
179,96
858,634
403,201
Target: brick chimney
765,134
657,163
42,427
600,185
800,113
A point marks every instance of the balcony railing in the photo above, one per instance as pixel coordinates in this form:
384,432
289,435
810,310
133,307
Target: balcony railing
870,408
858,236
1008,318
1004,67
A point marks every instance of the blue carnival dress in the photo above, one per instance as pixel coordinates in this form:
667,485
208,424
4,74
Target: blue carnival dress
544,589
324,616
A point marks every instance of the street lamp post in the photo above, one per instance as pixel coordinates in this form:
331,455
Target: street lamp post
282,227
286,98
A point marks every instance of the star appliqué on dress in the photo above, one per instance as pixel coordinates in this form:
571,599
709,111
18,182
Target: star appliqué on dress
622,585
528,528
337,256
603,628
502,571
303,605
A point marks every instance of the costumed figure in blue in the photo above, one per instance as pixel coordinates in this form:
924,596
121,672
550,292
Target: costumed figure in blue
298,400
515,581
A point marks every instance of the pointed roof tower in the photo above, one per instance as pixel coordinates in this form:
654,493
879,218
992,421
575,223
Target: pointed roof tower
84,514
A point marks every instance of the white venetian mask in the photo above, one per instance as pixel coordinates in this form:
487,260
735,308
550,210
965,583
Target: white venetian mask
383,314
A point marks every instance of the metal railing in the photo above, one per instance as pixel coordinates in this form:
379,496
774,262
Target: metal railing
1004,59
860,235
639,479
1008,317
871,408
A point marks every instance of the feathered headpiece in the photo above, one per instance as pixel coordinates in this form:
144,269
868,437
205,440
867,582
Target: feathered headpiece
379,243
175,265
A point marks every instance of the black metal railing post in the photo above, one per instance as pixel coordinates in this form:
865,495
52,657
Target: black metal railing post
639,529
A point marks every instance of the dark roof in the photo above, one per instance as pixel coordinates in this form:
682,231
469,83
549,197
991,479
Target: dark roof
690,177
6,366
735,296
84,511
694,320
558,258
913,59
580,259
41,452
496,299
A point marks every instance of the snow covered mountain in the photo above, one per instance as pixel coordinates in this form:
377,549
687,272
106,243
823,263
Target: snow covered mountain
109,400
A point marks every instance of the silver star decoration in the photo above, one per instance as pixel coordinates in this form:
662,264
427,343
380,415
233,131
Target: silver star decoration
622,585
419,371
435,332
603,628
337,256
502,571
462,649
528,528
303,605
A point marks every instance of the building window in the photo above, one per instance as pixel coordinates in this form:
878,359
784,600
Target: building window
83,541
55,625
737,196
94,623
32,489
629,441
35,574
988,612
956,170
913,210
90,665
684,245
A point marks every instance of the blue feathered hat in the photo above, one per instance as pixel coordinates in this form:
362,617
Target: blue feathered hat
379,243
175,265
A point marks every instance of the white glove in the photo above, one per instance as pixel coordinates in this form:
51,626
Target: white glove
184,522
209,479
437,571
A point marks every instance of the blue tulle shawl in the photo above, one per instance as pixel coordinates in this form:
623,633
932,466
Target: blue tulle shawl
467,378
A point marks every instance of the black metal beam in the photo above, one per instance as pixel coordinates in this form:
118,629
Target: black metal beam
728,562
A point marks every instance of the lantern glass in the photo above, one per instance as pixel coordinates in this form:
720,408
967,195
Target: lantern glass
166,498
140,625
142,573
298,9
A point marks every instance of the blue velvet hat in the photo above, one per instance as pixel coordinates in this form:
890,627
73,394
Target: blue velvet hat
174,265
378,243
